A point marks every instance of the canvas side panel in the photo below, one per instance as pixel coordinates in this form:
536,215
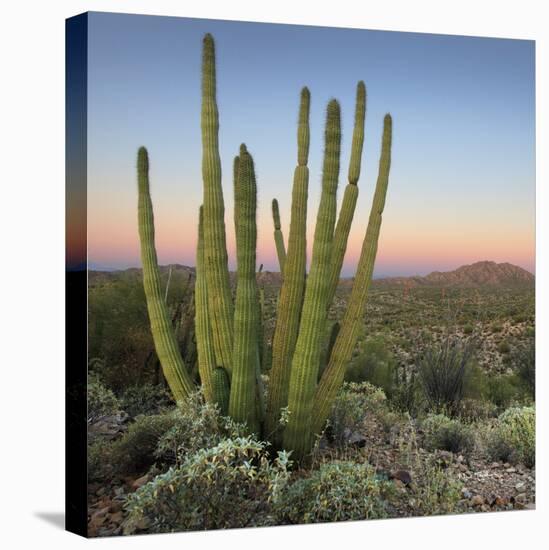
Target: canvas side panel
76,67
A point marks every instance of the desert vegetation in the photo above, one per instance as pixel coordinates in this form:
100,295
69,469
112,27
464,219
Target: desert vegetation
220,400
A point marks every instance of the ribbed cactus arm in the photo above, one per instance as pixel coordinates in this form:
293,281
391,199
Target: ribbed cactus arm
204,341
352,321
350,195
306,360
165,343
291,293
242,402
220,306
278,237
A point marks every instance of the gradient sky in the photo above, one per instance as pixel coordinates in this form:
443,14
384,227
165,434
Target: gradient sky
462,183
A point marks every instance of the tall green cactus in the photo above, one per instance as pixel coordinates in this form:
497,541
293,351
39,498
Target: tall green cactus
293,284
352,321
306,360
220,306
165,343
204,341
242,403
231,343
350,195
278,237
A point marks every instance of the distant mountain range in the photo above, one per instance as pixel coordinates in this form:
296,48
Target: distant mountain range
479,274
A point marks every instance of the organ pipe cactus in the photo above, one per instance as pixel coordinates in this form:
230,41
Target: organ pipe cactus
306,374
306,359
175,371
345,343
220,307
242,403
278,237
350,195
293,283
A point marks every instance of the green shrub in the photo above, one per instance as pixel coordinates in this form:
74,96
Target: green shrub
353,403
374,364
468,329
523,360
504,347
101,400
227,486
441,432
513,438
472,410
444,370
99,460
145,399
135,451
197,425
338,491
504,389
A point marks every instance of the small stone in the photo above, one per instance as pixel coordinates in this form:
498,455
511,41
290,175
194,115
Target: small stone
477,500
402,475
117,518
465,493
99,513
521,497
511,470
520,486
139,482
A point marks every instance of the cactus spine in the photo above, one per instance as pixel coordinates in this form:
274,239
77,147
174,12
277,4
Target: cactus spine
306,360
293,284
220,306
346,339
350,195
165,342
242,403
278,237
206,355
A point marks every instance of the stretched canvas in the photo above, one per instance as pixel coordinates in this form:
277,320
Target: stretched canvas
300,274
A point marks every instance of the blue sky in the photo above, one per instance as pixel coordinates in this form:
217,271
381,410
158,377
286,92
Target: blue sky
462,182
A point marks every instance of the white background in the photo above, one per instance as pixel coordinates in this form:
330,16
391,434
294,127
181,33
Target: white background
32,270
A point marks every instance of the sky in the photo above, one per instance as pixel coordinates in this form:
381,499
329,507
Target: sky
462,181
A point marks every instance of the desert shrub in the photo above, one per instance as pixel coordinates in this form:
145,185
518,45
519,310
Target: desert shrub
443,371
436,492
353,403
513,438
472,410
101,400
468,329
145,399
135,451
338,491
504,347
230,485
406,393
441,432
523,361
197,425
99,460
374,364
504,389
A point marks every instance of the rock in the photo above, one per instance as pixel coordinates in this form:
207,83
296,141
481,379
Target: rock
500,501
465,493
521,498
477,500
520,486
463,468
117,518
402,475
357,440
511,470
495,465
139,482
99,513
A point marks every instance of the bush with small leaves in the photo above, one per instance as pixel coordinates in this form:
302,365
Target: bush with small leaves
145,399
99,460
197,425
441,432
513,437
504,347
337,491
353,403
101,400
135,451
523,361
227,486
